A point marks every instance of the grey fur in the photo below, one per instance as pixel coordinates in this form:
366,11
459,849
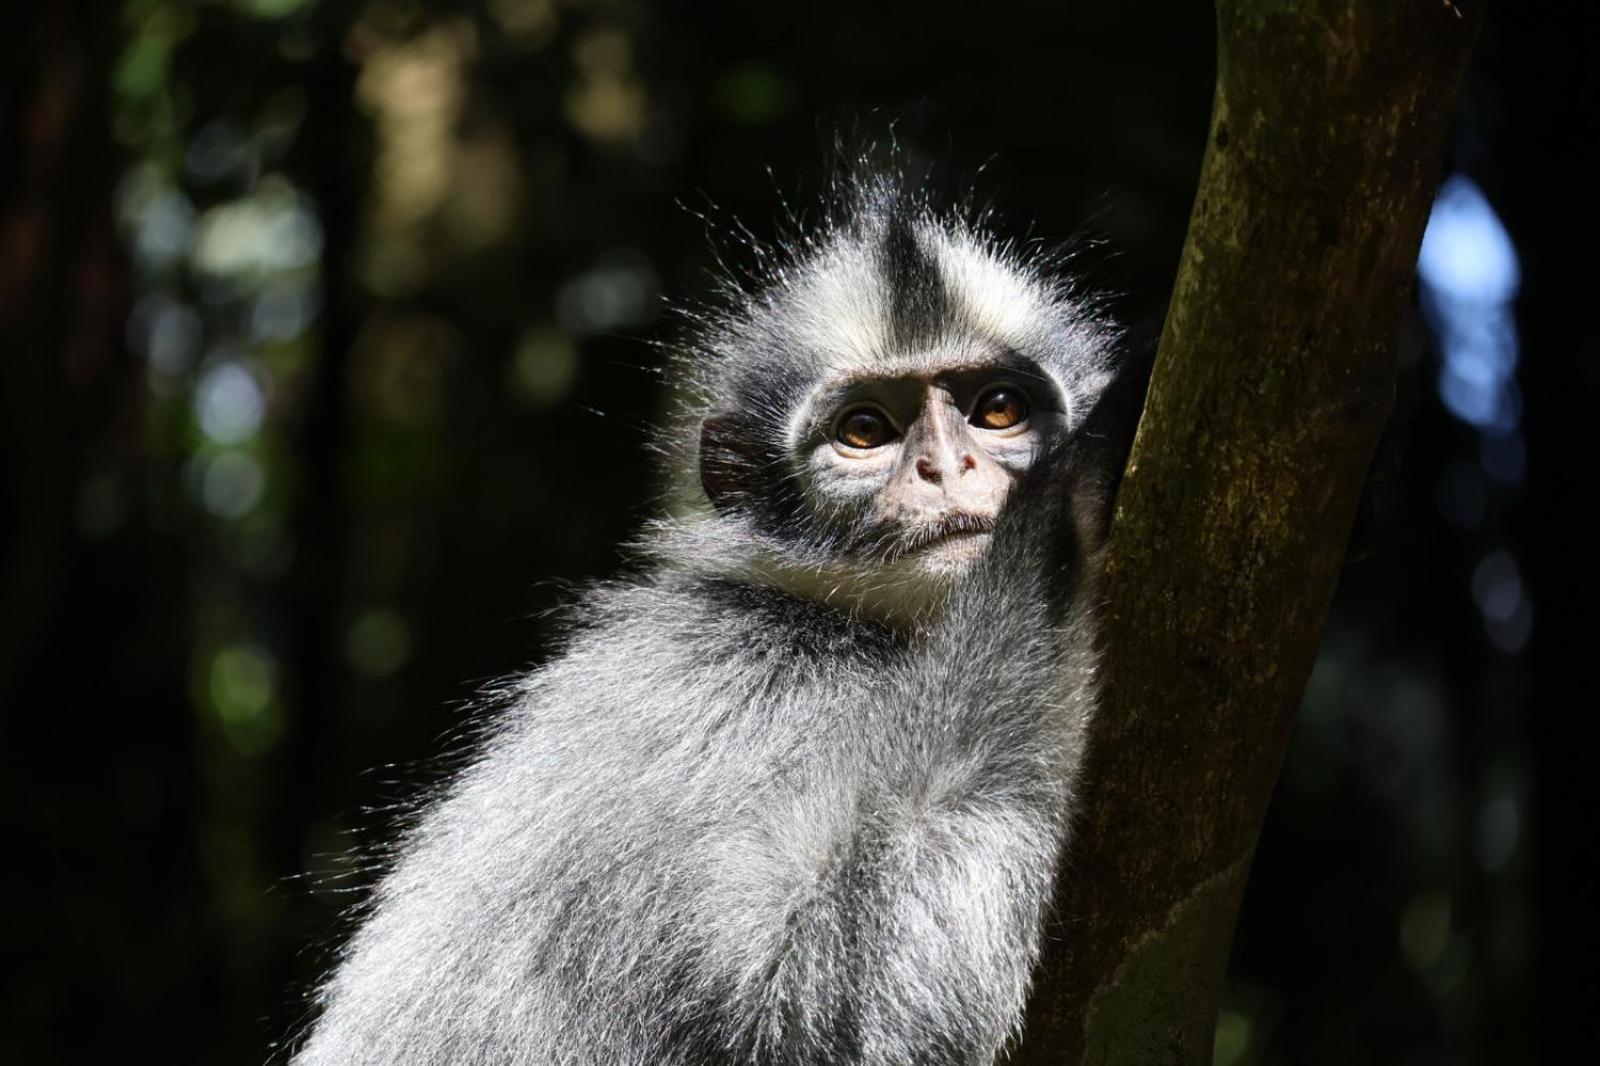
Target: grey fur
737,820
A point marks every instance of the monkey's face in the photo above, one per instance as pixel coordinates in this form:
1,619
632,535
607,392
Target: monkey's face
911,469
866,414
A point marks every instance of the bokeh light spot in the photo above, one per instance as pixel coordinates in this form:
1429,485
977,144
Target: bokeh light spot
378,643
272,231
1232,1040
241,683
1495,834
544,367
232,484
754,94
1501,596
1425,930
619,292
1466,251
229,402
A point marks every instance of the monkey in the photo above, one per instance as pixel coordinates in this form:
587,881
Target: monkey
797,790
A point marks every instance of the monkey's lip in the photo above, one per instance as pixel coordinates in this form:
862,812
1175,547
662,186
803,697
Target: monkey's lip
959,536
953,531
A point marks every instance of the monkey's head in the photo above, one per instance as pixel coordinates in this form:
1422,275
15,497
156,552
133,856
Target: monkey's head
857,421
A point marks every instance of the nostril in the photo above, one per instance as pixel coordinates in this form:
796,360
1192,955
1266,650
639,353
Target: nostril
928,472
968,462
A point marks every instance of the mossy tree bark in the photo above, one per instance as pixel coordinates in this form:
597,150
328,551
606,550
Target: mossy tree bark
1272,384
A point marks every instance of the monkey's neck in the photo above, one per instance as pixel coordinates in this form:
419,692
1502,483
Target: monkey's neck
896,596
900,595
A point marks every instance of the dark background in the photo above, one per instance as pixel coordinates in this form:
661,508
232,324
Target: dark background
329,366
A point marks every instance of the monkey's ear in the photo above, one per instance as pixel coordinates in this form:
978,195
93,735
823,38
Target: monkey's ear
1102,442
728,462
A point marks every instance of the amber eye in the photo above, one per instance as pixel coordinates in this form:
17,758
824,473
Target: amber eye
1001,407
864,427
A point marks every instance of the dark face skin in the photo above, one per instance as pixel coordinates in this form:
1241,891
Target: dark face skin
923,461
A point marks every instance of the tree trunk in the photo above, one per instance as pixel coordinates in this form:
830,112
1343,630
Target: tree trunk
1272,384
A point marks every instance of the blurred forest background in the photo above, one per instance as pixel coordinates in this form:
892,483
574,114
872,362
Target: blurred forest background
328,366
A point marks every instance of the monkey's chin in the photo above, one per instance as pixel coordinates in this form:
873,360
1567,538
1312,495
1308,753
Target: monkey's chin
906,592
948,557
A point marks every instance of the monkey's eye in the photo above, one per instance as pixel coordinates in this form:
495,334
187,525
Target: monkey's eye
1002,407
864,427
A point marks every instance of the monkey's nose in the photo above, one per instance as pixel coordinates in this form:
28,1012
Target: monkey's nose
933,471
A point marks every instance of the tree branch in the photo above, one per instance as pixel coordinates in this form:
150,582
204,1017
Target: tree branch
1272,384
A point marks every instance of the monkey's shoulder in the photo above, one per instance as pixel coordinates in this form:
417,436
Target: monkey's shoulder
652,663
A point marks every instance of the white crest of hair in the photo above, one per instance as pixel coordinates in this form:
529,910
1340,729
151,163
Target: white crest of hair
843,308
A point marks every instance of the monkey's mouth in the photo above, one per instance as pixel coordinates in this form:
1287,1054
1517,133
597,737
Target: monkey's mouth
955,534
